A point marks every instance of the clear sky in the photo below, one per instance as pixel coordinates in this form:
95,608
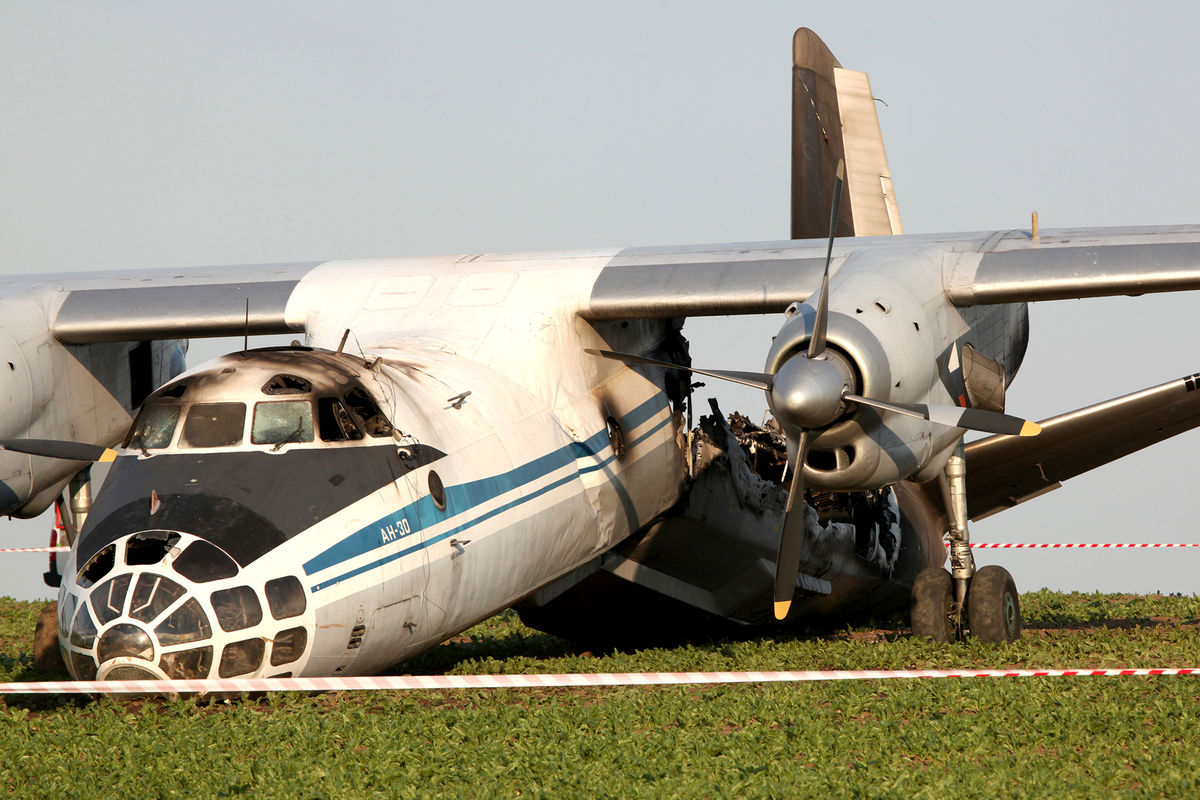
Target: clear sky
141,134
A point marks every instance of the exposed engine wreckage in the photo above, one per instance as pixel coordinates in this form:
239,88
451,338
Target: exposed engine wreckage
714,556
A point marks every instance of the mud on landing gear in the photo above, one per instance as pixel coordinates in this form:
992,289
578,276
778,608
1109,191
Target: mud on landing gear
993,612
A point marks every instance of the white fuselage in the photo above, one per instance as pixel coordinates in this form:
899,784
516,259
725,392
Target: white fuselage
490,483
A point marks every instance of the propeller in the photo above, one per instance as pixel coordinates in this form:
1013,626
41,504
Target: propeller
54,448
808,390
807,393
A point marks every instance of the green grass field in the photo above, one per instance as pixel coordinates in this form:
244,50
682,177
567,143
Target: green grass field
1041,737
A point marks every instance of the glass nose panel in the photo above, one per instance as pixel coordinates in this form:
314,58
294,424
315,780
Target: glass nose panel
149,547
289,645
240,658
188,664
97,567
108,600
125,640
285,596
83,630
152,595
187,623
83,667
237,608
203,562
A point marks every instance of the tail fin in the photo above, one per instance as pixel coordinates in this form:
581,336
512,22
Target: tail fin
833,117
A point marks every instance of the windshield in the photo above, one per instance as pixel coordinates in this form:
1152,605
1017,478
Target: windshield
154,427
214,425
279,422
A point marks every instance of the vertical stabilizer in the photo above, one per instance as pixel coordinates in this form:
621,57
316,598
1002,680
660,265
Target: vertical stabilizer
834,117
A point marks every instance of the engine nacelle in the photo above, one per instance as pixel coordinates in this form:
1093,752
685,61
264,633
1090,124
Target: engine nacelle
865,448
81,393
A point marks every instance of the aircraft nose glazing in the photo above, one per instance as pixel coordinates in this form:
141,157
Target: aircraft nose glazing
130,615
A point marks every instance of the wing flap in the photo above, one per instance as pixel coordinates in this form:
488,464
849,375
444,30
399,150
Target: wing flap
1003,471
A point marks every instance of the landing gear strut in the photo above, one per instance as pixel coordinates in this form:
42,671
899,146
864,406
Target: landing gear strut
986,601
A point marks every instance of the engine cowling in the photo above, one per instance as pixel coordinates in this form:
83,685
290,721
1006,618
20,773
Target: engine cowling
80,393
881,344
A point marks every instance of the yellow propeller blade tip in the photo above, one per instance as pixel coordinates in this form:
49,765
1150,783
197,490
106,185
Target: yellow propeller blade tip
108,456
1030,429
781,608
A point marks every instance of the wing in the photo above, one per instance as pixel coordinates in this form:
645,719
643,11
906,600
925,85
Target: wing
1006,470
1015,267
704,280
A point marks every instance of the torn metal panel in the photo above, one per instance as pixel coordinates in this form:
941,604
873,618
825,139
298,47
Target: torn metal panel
715,553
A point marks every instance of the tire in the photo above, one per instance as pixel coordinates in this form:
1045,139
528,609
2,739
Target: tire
47,658
993,606
932,598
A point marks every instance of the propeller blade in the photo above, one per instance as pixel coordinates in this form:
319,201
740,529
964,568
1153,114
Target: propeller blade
53,448
816,345
791,538
971,419
759,380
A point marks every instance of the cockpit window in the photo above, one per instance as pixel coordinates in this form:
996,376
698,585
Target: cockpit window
336,423
154,427
287,384
281,421
361,404
214,425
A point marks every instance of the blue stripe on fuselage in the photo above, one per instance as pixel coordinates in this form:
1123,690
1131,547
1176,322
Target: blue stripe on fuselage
422,513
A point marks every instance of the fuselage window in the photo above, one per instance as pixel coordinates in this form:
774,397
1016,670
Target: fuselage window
154,426
361,404
336,423
282,421
214,425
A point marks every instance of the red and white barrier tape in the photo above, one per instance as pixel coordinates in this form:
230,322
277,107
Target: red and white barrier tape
1087,545
35,549
984,545
409,682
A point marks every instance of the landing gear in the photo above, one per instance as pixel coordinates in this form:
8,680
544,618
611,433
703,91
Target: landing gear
934,612
985,600
993,608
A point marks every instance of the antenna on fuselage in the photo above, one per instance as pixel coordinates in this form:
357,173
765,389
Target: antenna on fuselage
342,344
246,328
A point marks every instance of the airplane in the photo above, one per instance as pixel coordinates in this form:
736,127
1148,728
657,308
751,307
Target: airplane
460,435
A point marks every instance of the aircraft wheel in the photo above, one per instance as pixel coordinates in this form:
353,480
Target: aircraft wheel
47,657
993,607
933,605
